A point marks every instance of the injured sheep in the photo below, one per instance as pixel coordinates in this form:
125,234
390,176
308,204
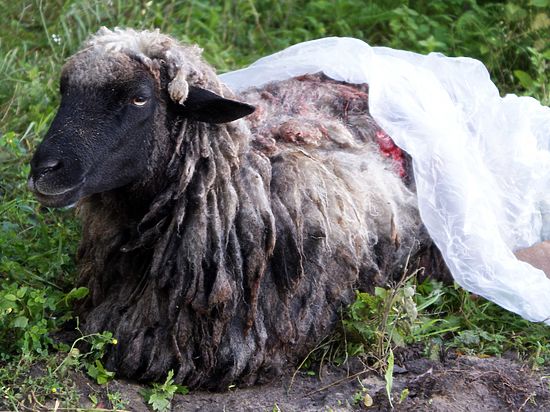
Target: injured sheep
222,249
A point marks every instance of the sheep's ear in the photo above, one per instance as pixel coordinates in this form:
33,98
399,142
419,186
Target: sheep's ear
205,106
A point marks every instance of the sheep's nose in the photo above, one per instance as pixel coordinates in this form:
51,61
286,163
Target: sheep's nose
46,166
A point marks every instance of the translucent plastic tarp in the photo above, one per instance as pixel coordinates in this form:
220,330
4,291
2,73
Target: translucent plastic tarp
481,162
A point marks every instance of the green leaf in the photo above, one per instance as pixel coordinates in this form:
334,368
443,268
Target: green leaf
93,399
381,292
540,3
404,395
524,78
468,338
169,379
159,402
76,293
514,12
146,393
99,373
398,338
10,297
21,322
160,396
21,291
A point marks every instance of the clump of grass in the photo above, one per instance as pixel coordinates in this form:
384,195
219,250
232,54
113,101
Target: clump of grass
439,317
436,316
39,379
480,327
160,395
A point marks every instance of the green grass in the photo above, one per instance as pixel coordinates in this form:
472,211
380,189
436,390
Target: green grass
440,317
37,245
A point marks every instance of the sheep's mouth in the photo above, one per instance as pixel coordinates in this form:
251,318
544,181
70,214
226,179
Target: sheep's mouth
62,198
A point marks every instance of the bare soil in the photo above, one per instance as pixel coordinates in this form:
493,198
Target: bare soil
456,383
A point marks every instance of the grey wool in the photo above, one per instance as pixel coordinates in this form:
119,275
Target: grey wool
238,250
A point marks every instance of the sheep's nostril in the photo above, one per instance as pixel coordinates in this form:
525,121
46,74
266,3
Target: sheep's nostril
47,166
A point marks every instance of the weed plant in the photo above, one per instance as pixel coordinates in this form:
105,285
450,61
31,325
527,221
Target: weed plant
37,245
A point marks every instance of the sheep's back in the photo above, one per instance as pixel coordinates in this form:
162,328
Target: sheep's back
315,112
335,173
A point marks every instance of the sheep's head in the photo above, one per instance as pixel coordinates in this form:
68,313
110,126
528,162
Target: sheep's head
112,92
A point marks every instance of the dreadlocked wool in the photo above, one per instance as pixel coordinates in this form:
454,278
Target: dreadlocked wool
237,252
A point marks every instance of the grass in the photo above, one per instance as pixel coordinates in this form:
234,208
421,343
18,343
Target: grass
37,245
440,317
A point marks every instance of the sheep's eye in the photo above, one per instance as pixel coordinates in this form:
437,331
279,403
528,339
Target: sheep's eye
139,101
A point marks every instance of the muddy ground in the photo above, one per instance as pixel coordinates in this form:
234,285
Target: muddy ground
455,383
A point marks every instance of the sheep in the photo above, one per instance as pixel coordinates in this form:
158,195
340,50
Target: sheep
220,239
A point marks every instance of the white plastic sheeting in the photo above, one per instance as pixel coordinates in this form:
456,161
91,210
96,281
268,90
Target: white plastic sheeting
481,162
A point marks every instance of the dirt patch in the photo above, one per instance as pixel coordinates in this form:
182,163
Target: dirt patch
468,384
458,383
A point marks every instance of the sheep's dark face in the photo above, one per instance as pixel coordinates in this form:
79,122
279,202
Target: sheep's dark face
104,131
100,138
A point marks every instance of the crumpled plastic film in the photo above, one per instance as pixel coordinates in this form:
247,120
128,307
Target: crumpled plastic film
481,162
